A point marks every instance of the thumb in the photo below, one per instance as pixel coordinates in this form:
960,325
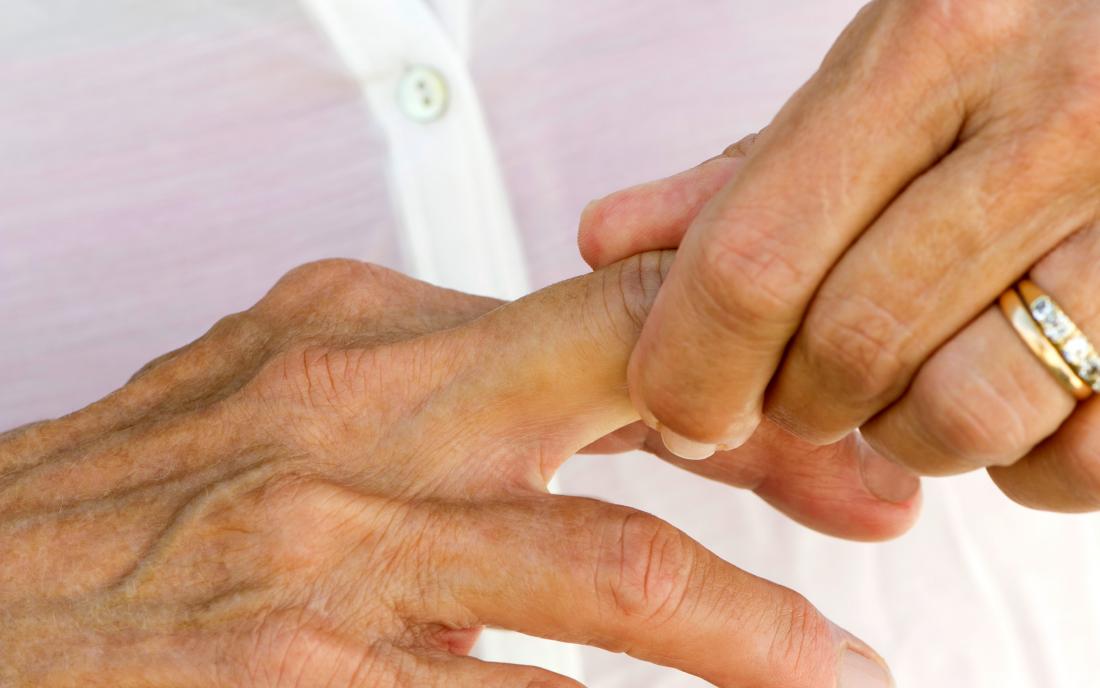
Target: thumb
654,215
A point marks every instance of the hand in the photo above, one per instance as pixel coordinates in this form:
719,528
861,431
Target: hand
341,485
851,269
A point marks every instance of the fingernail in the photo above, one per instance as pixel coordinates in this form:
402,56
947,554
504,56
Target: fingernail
860,671
739,435
647,416
685,448
884,478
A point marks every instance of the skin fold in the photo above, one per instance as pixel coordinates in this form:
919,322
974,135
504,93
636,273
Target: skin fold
838,270
341,485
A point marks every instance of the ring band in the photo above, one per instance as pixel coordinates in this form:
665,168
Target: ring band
1022,320
1075,347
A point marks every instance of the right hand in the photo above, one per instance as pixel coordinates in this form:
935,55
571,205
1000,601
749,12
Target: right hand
341,485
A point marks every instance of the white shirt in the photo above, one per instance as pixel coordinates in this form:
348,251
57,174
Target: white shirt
162,163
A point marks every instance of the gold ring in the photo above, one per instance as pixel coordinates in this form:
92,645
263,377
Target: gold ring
1028,327
1075,347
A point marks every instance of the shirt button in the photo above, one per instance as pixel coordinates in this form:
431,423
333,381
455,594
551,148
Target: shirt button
422,94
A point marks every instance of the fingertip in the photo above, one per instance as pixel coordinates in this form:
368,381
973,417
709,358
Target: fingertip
884,479
685,448
588,234
860,666
858,519
739,433
859,670
649,216
824,488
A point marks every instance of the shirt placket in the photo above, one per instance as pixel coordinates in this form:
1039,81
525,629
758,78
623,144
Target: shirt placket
444,178
410,62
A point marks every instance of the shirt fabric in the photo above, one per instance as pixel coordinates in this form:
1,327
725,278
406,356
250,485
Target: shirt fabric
163,163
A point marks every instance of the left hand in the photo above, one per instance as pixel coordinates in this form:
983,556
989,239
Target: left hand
940,153
342,484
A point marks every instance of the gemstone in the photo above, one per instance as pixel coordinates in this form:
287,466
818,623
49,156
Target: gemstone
1089,370
1042,308
1076,350
1057,326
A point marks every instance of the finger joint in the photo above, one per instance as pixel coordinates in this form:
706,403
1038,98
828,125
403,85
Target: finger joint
857,344
754,278
646,569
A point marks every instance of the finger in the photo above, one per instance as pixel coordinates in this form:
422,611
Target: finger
984,399
834,157
548,372
845,489
1063,472
625,581
937,257
654,215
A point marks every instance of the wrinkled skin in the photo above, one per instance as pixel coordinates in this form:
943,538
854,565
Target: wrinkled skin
343,484
847,275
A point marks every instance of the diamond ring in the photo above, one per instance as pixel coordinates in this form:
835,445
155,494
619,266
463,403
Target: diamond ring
1053,337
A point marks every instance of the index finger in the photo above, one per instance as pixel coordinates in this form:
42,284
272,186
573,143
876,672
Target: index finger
837,154
584,571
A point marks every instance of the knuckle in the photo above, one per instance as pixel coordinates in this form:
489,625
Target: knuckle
645,568
234,326
755,277
229,336
856,344
802,646
315,291
232,338
626,291
331,272
972,421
